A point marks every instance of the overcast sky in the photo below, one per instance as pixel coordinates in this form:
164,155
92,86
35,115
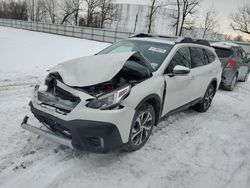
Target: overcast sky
223,8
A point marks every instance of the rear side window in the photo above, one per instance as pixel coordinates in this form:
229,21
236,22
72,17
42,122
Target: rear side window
182,57
210,56
199,57
223,53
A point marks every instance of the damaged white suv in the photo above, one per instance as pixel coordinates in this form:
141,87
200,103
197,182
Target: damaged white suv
112,100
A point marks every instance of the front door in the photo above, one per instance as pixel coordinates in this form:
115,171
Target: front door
180,88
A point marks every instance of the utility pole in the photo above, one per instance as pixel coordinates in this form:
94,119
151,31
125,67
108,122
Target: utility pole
136,20
33,10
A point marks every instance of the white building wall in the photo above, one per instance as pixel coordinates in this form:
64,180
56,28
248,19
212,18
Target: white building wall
126,18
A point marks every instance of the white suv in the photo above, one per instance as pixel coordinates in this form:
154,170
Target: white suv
112,100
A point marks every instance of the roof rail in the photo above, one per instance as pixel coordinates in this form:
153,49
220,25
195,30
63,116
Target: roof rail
177,39
193,41
141,35
145,35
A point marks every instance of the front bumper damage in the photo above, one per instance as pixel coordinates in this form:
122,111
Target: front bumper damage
93,130
46,134
93,136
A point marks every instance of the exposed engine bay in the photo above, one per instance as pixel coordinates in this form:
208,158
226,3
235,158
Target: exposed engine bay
106,95
132,73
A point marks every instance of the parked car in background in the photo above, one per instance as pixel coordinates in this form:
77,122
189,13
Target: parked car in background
234,62
112,100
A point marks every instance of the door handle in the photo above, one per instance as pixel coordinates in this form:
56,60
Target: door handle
192,77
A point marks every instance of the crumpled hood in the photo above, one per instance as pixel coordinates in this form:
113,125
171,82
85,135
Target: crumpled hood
91,70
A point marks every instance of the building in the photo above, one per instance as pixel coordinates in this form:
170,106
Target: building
134,17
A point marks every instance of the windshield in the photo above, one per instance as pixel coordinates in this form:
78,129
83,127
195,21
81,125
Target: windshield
154,52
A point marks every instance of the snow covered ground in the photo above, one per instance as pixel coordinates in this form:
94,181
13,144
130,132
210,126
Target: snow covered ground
187,150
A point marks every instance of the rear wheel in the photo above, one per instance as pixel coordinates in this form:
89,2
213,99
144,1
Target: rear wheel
246,77
142,126
204,105
232,84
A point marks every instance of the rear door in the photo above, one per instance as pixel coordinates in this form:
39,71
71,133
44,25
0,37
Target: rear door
202,70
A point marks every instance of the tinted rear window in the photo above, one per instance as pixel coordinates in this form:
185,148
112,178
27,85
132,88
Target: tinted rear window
223,53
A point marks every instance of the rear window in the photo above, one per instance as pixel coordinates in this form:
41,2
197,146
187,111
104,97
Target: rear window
223,53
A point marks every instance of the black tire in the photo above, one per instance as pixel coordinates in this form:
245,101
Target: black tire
204,105
140,133
232,84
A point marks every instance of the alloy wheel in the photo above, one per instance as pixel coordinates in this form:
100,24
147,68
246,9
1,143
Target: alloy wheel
233,82
209,97
141,128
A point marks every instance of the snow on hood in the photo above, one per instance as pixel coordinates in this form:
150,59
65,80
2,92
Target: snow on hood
91,70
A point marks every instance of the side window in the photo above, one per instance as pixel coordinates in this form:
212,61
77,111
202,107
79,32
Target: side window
199,57
182,57
210,56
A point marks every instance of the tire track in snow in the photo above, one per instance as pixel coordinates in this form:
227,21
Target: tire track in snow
18,84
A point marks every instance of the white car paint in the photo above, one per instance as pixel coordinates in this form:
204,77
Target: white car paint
180,90
91,70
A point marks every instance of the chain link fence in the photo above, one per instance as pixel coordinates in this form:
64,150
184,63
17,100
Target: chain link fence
97,34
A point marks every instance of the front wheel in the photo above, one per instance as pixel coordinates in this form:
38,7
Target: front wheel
204,105
141,129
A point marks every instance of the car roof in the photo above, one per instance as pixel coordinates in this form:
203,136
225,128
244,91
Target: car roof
227,45
171,40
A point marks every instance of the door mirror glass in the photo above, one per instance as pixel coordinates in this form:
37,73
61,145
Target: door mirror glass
181,70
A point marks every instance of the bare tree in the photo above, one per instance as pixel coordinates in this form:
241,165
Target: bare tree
228,37
36,10
51,7
39,10
154,6
92,5
106,11
238,38
76,4
184,9
71,8
209,21
241,19
14,9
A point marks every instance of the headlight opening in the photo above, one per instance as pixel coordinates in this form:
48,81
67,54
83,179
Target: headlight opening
110,100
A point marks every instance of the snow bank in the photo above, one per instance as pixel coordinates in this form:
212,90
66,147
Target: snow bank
31,53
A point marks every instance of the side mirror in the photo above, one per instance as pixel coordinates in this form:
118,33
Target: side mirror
181,70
